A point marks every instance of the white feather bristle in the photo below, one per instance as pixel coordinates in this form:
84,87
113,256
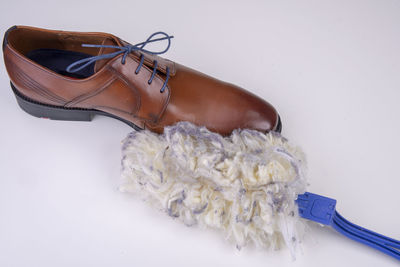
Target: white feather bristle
244,184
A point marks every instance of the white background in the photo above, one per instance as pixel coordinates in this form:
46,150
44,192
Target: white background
332,70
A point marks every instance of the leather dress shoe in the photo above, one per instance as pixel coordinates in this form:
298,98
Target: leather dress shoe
66,75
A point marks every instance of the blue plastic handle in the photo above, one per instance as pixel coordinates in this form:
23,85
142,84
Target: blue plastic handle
323,210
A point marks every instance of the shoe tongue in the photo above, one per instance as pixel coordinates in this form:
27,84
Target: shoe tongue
104,50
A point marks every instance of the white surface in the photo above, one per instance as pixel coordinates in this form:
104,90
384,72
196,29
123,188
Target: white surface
331,68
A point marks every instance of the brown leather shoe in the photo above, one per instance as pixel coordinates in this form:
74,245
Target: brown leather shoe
54,76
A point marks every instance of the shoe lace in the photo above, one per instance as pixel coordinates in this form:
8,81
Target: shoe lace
126,50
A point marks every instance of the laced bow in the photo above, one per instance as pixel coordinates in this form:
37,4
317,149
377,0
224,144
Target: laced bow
126,50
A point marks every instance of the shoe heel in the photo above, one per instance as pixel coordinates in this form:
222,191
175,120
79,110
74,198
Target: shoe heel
51,112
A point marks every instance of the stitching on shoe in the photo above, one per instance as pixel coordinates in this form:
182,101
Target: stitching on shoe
90,94
36,87
133,88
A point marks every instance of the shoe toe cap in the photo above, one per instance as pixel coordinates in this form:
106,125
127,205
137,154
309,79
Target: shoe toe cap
262,116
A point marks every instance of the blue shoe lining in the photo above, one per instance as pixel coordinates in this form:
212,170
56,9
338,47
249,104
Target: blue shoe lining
58,60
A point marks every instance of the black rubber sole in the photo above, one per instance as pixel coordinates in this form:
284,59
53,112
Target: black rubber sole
47,111
278,127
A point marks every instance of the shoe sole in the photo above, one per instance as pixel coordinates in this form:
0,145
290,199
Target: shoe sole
41,110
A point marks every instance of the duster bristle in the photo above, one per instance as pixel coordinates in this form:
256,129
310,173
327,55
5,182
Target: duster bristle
245,184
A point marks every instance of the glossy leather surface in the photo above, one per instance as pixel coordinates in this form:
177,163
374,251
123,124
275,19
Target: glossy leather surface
115,88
